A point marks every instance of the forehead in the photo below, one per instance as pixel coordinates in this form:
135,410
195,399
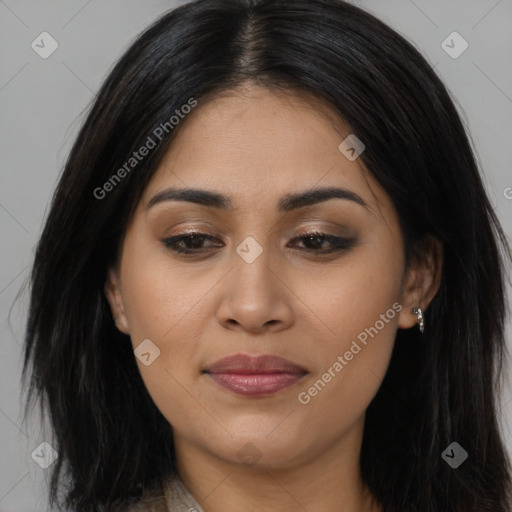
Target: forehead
255,146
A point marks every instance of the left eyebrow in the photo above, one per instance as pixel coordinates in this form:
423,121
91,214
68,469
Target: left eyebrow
287,203
317,195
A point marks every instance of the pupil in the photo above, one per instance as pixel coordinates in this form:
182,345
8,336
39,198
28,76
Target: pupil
318,239
195,240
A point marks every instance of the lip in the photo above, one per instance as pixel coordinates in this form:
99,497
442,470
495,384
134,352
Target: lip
255,376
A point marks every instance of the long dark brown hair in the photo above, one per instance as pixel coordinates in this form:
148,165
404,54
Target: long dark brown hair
440,387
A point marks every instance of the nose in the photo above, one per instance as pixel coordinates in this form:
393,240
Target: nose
255,298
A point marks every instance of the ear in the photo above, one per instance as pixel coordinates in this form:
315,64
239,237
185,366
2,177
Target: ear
115,299
422,280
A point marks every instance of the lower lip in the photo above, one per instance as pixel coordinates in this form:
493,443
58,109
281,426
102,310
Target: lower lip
256,384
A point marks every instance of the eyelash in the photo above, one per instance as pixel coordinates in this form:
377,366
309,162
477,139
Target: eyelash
340,243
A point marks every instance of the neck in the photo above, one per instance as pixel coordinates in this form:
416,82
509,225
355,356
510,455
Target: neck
329,481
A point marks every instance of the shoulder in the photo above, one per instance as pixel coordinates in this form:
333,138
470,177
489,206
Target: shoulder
172,496
152,500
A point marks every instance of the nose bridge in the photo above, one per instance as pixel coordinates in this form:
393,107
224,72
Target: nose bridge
253,296
252,251
252,264
255,255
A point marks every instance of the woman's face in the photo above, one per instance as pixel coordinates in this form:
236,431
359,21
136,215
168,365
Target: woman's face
255,288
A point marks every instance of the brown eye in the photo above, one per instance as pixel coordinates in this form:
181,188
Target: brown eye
190,243
315,242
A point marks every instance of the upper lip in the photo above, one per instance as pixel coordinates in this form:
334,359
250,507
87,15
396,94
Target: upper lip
246,364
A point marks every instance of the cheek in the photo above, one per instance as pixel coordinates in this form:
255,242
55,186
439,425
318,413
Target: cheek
350,296
159,295
360,317
165,303
353,367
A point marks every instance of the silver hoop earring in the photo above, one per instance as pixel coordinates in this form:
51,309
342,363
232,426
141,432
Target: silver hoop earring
421,321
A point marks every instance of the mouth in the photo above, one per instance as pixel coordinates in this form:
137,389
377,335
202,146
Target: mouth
255,376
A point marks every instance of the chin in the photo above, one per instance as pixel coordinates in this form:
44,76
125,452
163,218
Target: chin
258,451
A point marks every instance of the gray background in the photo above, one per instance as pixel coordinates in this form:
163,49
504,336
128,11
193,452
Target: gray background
41,107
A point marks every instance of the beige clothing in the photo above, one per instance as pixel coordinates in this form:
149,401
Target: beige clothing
171,497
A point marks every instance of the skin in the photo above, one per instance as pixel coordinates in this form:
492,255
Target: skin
256,146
